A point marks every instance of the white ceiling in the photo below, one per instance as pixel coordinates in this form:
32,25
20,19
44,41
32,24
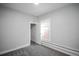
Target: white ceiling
35,10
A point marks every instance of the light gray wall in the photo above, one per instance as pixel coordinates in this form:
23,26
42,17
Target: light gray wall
64,26
38,33
14,29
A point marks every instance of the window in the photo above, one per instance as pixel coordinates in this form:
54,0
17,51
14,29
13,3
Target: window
45,30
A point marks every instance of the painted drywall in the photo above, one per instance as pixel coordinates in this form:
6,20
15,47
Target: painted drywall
38,33
14,29
64,26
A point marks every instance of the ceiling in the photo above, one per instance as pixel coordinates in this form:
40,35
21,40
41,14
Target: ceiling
35,10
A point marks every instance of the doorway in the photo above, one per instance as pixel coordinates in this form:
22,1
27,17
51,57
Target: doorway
33,33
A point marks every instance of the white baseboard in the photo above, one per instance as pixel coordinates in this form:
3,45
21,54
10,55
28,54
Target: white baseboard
61,49
3,52
36,42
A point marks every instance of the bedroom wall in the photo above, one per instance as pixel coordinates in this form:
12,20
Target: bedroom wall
14,29
64,26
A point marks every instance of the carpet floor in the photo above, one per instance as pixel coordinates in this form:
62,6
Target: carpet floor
35,50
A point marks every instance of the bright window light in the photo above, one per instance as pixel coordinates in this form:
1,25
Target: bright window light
45,30
36,3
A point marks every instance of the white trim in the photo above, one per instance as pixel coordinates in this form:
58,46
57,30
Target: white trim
33,23
3,52
37,42
61,49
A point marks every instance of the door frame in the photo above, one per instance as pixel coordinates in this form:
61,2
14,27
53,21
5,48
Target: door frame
30,29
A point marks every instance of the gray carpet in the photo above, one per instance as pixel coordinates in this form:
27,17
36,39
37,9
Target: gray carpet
35,50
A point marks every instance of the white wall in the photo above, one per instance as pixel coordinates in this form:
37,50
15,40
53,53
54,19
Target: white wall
64,26
14,29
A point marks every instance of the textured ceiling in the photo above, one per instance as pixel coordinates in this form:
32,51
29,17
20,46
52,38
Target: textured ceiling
35,10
